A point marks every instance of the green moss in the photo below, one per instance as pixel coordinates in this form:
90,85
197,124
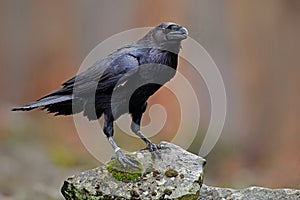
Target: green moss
171,173
181,176
167,191
155,172
190,196
200,180
121,173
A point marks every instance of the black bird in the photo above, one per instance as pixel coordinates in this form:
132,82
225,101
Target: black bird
120,83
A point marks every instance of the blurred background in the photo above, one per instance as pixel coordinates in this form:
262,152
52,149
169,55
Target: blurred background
255,44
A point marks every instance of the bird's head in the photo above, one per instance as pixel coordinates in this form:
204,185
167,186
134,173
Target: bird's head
168,35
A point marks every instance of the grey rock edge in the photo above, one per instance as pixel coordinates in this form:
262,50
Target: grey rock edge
178,175
251,193
99,184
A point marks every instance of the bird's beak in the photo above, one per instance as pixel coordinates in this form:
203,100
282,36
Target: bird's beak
184,31
180,34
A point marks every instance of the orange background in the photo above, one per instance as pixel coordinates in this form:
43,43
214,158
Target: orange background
255,44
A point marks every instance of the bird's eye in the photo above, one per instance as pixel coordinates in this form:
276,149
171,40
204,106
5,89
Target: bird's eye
171,26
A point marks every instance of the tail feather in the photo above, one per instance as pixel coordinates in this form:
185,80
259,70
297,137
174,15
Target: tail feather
45,102
68,107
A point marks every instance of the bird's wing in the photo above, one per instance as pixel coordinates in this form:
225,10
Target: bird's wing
102,76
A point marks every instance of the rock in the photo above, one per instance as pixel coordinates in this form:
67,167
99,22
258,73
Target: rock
251,193
178,175
127,173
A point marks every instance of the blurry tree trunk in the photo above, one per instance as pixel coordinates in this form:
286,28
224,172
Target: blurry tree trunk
150,12
266,33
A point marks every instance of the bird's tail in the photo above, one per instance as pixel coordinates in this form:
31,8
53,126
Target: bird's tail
44,102
59,104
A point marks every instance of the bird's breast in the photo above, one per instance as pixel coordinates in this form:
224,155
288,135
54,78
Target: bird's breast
163,57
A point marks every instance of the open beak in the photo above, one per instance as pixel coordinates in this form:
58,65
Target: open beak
179,34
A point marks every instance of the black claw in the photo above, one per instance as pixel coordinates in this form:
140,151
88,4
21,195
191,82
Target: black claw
154,149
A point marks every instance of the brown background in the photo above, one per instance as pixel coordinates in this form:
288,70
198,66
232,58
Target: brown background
255,44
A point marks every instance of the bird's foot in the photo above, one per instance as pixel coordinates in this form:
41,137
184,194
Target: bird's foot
154,149
126,160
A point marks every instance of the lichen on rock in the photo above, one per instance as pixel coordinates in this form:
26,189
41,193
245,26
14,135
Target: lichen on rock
175,176
127,173
251,193
171,173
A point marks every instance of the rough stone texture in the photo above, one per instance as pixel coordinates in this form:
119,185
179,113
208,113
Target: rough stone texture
178,175
251,193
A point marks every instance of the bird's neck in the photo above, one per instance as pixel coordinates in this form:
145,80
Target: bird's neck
173,47
164,57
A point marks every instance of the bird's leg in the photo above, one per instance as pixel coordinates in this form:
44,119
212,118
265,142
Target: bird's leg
153,148
124,160
108,131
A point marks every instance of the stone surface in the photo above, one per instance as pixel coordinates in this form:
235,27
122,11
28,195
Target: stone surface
178,175
251,193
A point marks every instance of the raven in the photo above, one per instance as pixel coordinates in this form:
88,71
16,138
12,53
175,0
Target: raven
120,83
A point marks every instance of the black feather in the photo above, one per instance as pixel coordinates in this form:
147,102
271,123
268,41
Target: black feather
91,90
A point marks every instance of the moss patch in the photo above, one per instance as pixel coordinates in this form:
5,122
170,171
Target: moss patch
127,173
171,173
190,196
200,180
